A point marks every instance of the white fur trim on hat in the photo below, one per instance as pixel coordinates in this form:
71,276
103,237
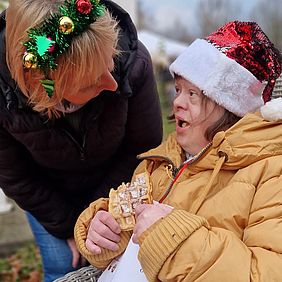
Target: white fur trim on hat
222,79
272,110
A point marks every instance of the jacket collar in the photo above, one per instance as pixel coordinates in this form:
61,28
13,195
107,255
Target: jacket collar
168,150
249,140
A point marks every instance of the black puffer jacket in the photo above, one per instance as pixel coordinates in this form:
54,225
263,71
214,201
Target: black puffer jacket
54,171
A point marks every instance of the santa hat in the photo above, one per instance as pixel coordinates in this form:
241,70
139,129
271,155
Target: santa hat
236,66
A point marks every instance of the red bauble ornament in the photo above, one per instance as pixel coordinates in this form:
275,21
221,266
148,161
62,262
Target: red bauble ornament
83,6
52,48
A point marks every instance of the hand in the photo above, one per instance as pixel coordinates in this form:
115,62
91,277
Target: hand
76,257
147,215
103,233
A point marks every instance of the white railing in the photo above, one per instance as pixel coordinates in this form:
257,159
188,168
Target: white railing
5,205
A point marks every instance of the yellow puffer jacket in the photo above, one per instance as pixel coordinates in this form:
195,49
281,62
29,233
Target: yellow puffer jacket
227,221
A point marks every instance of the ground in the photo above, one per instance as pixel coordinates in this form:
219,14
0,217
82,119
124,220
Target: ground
22,266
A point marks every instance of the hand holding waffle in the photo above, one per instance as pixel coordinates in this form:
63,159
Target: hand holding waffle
106,226
147,215
124,200
103,232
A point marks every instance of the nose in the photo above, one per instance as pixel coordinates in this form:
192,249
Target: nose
179,101
108,82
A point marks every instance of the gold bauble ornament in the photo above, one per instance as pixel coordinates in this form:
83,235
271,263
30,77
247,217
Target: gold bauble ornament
66,25
29,61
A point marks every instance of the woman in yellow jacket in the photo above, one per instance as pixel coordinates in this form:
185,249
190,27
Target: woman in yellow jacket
217,179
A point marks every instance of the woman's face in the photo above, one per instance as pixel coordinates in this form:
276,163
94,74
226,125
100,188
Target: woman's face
105,82
194,113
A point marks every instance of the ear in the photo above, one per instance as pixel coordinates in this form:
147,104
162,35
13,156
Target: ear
272,110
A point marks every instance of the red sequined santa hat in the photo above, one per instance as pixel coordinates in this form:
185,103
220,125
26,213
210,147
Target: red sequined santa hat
236,66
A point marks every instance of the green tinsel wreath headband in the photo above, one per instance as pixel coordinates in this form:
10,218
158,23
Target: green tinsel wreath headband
54,36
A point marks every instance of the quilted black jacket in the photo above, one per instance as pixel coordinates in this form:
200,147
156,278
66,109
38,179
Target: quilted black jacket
54,171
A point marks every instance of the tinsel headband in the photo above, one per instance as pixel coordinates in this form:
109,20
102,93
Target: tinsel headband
54,36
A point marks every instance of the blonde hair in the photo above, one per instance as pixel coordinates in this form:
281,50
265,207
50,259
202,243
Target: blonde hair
74,66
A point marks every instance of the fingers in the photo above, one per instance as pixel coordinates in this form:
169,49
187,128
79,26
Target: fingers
75,258
104,225
103,233
74,251
107,219
147,215
91,247
103,242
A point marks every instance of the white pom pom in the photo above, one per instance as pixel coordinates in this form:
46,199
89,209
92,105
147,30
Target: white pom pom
272,110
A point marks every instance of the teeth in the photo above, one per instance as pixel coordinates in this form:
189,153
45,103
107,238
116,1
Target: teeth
184,124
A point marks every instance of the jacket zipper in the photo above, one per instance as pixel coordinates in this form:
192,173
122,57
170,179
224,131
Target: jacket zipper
176,172
81,149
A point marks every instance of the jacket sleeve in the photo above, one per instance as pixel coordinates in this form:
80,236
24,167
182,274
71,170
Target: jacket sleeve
83,223
25,182
144,121
184,247
81,230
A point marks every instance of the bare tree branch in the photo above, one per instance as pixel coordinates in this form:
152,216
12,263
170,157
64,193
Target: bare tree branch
268,14
211,14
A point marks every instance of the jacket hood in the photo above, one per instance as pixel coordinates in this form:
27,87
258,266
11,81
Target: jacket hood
128,43
7,84
251,139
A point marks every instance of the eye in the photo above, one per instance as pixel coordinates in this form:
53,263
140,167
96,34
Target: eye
177,90
192,93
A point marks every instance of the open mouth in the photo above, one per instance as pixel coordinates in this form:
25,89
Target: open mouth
182,123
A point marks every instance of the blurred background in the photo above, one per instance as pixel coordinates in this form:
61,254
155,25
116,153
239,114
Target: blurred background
166,28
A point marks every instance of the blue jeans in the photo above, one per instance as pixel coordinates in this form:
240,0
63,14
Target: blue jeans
55,253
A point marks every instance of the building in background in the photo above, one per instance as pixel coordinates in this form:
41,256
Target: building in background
277,92
162,49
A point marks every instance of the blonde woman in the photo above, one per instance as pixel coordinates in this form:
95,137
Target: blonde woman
78,102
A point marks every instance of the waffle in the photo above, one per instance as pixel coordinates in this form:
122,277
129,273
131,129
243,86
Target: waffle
126,197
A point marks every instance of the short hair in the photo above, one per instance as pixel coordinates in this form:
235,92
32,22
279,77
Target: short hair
84,61
223,123
226,121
